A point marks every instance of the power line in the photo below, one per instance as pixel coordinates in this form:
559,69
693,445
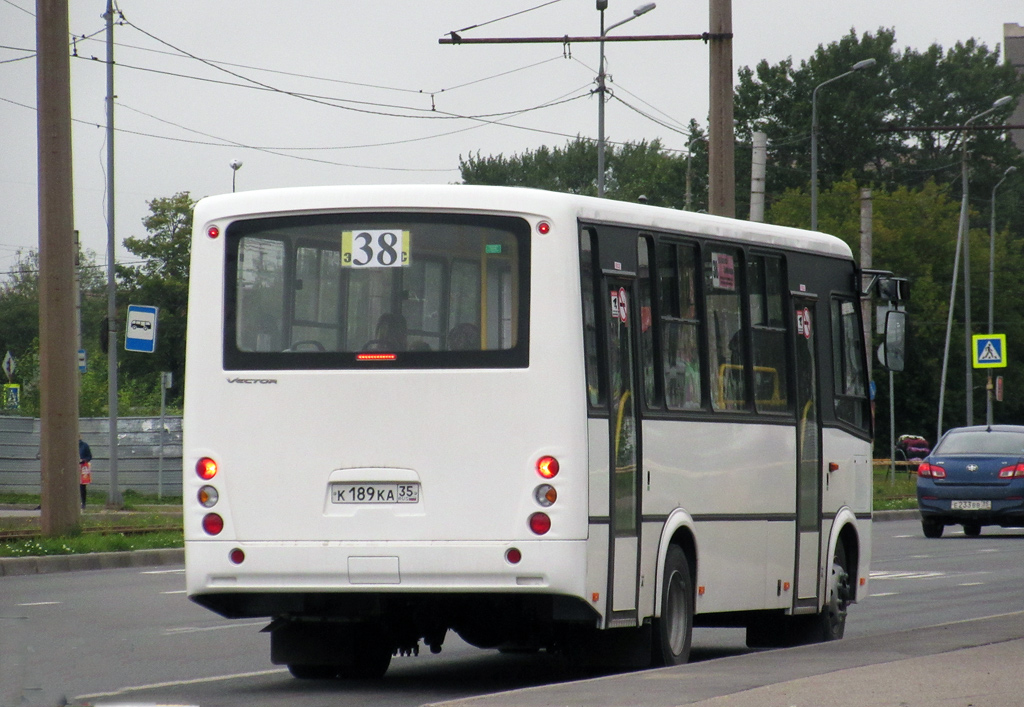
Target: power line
499,19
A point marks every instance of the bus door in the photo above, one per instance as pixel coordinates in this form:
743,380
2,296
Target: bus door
808,456
624,432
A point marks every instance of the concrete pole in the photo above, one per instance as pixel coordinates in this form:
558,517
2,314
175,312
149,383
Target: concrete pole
758,168
58,443
866,219
114,493
721,146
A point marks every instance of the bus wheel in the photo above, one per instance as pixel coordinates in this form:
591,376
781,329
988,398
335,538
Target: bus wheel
673,630
313,672
371,655
840,595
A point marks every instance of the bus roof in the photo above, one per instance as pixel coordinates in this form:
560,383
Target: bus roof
512,200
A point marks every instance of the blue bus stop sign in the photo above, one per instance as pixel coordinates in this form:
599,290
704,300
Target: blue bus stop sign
140,330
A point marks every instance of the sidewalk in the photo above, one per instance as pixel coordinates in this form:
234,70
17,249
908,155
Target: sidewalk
973,663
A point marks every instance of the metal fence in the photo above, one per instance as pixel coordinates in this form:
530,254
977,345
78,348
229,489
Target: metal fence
145,462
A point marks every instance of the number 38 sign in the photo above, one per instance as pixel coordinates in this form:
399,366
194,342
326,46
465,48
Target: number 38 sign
387,248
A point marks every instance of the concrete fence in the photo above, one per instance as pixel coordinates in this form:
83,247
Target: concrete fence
139,466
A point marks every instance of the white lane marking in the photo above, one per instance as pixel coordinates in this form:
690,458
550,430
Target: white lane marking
972,584
884,594
177,683
176,591
880,574
42,603
178,571
196,629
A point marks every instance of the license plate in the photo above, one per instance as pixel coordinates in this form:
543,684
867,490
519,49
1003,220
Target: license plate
375,493
970,505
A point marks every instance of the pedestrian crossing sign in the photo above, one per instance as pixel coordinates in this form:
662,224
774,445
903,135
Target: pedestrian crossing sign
989,350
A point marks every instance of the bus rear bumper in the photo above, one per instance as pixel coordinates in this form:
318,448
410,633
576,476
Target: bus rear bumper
546,566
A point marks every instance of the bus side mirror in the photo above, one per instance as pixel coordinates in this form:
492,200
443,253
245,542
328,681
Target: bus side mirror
893,289
895,347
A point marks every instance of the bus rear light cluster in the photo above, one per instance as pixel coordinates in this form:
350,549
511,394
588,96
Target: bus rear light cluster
932,471
545,495
547,467
540,523
213,524
513,556
208,497
237,556
206,468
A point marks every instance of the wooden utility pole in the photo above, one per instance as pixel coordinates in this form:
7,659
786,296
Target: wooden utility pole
58,370
721,148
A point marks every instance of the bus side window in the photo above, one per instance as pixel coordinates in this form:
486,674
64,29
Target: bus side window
588,267
726,351
680,326
766,285
848,365
649,382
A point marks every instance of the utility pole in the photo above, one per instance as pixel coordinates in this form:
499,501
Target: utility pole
721,140
58,441
114,493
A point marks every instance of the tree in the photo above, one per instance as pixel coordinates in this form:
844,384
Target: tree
161,280
864,121
634,170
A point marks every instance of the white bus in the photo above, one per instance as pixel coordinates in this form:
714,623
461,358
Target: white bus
540,420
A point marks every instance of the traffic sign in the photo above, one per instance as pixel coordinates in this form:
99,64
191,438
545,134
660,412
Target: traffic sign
140,332
81,361
8,365
989,350
12,396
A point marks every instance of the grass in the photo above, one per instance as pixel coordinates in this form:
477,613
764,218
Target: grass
147,522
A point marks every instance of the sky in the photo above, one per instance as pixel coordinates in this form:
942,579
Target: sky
353,92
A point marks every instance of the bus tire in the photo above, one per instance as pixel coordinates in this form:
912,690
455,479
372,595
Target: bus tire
371,655
673,630
313,672
839,596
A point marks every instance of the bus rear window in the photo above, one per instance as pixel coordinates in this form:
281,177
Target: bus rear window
382,289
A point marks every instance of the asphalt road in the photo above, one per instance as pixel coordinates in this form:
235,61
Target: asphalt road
129,635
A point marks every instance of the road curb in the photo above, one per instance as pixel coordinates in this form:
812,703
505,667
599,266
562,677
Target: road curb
14,566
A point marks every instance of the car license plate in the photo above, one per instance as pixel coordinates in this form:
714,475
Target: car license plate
970,505
375,493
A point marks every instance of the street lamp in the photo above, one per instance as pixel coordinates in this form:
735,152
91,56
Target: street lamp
991,284
961,238
235,166
864,64
602,5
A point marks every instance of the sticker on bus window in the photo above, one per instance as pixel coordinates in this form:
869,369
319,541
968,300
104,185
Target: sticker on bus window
723,272
492,249
384,248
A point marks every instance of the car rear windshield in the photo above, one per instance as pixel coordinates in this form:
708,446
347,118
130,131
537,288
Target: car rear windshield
982,442
405,290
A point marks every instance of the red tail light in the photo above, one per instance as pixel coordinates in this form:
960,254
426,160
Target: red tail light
540,523
1008,472
206,468
213,524
547,467
933,471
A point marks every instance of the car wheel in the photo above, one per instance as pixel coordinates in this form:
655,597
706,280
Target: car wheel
674,628
932,528
972,530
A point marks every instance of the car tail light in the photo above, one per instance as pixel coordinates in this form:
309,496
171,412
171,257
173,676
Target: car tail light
1009,472
933,471
213,524
540,523
206,468
547,467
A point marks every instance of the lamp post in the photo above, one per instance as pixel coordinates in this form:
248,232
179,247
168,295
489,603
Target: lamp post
991,285
864,64
961,238
235,166
601,6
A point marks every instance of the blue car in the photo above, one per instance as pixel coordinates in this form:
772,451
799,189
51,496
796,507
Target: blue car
973,477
